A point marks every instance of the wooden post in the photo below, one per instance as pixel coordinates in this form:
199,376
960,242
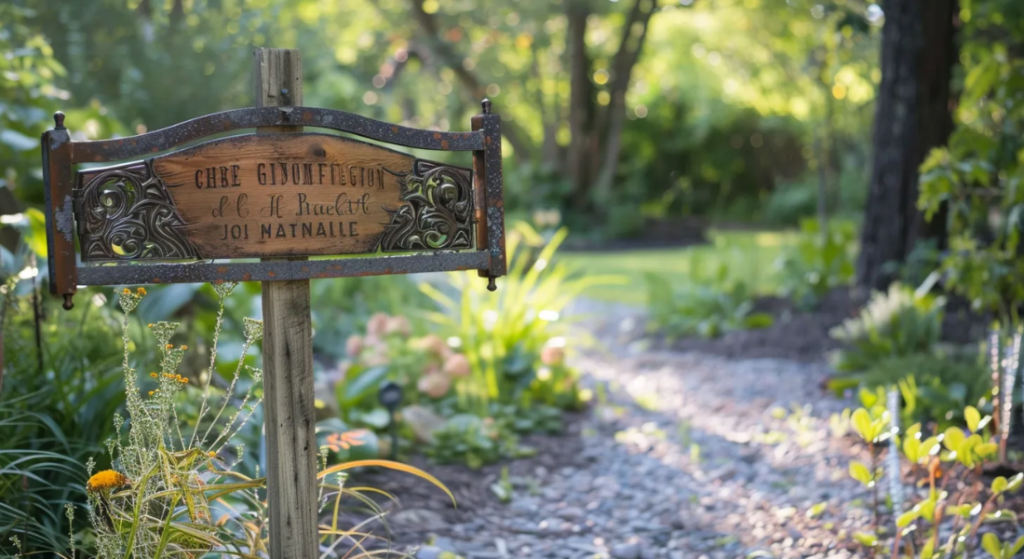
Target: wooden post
288,360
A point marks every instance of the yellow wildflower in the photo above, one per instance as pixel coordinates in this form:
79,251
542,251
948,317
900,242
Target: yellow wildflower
150,325
211,454
126,291
107,479
169,346
154,375
141,291
151,392
184,347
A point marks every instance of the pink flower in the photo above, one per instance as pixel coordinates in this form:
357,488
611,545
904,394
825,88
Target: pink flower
434,386
398,325
379,356
354,345
457,366
552,355
375,326
432,343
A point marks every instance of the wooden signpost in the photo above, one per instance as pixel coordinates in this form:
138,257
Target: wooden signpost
255,207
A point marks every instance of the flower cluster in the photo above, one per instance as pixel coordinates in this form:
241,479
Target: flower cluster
106,480
428,361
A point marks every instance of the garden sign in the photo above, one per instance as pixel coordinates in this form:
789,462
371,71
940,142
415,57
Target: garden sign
255,207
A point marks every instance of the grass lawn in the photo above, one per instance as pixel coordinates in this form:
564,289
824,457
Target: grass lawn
748,255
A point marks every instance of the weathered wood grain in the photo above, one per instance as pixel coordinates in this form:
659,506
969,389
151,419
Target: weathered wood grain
284,194
288,366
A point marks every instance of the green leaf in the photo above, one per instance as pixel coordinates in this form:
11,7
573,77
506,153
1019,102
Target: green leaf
1014,482
953,438
860,473
862,423
973,417
1016,547
866,539
927,550
990,543
364,384
18,141
906,518
999,485
816,510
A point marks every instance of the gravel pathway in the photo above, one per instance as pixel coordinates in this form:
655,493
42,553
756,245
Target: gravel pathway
684,455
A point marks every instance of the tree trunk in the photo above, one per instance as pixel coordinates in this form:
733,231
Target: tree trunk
912,115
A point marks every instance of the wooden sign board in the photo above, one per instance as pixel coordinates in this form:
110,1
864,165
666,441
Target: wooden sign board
180,214
271,196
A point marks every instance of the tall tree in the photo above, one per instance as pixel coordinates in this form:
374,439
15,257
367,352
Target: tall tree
913,114
596,104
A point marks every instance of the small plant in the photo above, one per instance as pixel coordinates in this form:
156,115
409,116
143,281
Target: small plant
706,309
818,263
953,504
898,322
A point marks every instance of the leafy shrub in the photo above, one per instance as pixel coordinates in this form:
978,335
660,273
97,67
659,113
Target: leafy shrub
947,522
705,309
935,387
817,263
898,322
515,339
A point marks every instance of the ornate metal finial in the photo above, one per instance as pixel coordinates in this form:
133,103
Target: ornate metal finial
58,120
68,297
486,104
286,97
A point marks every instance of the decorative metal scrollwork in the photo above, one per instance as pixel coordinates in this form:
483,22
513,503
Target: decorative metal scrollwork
128,215
438,213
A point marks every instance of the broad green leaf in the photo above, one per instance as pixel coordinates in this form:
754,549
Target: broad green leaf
860,472
953,438
990,542
862,423
986,450
927,550
999,485
973,417
1014,482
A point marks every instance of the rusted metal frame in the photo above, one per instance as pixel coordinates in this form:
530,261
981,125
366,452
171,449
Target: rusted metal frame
58,177
281,270
102,151
491,220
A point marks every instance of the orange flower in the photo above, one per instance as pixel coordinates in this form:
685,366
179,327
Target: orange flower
126,291
154,375
107,479
184,347
169,346
346,440
141,291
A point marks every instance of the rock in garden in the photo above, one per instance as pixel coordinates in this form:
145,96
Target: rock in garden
626,551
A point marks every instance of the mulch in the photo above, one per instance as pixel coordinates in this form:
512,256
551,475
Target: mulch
471,488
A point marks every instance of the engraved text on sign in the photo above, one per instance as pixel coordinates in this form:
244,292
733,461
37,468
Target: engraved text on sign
259,196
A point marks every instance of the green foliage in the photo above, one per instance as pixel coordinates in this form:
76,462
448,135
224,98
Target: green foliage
977,177
946,521
471,440
515,339
705,309
818,263
793,201
899,322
